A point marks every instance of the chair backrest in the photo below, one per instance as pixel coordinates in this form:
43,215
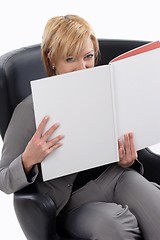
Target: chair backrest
19,67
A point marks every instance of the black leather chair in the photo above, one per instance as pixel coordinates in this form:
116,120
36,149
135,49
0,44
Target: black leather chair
36,213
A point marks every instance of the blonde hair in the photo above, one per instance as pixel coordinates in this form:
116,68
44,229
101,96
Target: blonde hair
64,36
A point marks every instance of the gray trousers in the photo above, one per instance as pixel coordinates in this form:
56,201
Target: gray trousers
119,205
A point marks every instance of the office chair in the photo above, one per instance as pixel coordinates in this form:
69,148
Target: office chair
36,213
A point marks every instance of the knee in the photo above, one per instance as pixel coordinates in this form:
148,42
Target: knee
102,221
111,220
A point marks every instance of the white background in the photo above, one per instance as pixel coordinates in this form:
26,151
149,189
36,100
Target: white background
22,23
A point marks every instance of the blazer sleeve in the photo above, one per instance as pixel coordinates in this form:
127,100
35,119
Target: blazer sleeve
20,130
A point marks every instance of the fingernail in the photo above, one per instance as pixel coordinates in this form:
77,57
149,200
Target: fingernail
57,124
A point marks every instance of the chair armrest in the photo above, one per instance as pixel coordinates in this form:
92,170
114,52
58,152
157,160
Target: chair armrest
151,163
36,215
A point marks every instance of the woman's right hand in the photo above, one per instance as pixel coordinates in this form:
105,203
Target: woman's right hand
40,145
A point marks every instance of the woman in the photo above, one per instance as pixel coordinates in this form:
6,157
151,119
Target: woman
109,202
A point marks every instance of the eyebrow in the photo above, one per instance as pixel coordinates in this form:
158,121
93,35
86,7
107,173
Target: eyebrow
89,52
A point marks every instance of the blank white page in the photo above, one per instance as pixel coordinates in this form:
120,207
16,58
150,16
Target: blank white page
81,102
136,83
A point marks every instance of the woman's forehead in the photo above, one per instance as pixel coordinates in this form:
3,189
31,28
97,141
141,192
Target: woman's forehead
81,47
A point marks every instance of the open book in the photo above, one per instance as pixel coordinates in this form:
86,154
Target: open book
97,106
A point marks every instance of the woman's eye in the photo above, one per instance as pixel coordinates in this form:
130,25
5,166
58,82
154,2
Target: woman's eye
91,55
70,59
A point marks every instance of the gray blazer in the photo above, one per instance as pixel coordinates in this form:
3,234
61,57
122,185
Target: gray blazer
12,175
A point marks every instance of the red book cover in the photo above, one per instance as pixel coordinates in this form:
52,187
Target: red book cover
144,48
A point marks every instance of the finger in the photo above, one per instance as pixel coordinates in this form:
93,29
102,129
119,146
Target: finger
54,147
132,146
55,141
121,149
41,127
50,131
127,144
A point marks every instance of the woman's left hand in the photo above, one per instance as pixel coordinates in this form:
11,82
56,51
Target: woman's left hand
127,152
